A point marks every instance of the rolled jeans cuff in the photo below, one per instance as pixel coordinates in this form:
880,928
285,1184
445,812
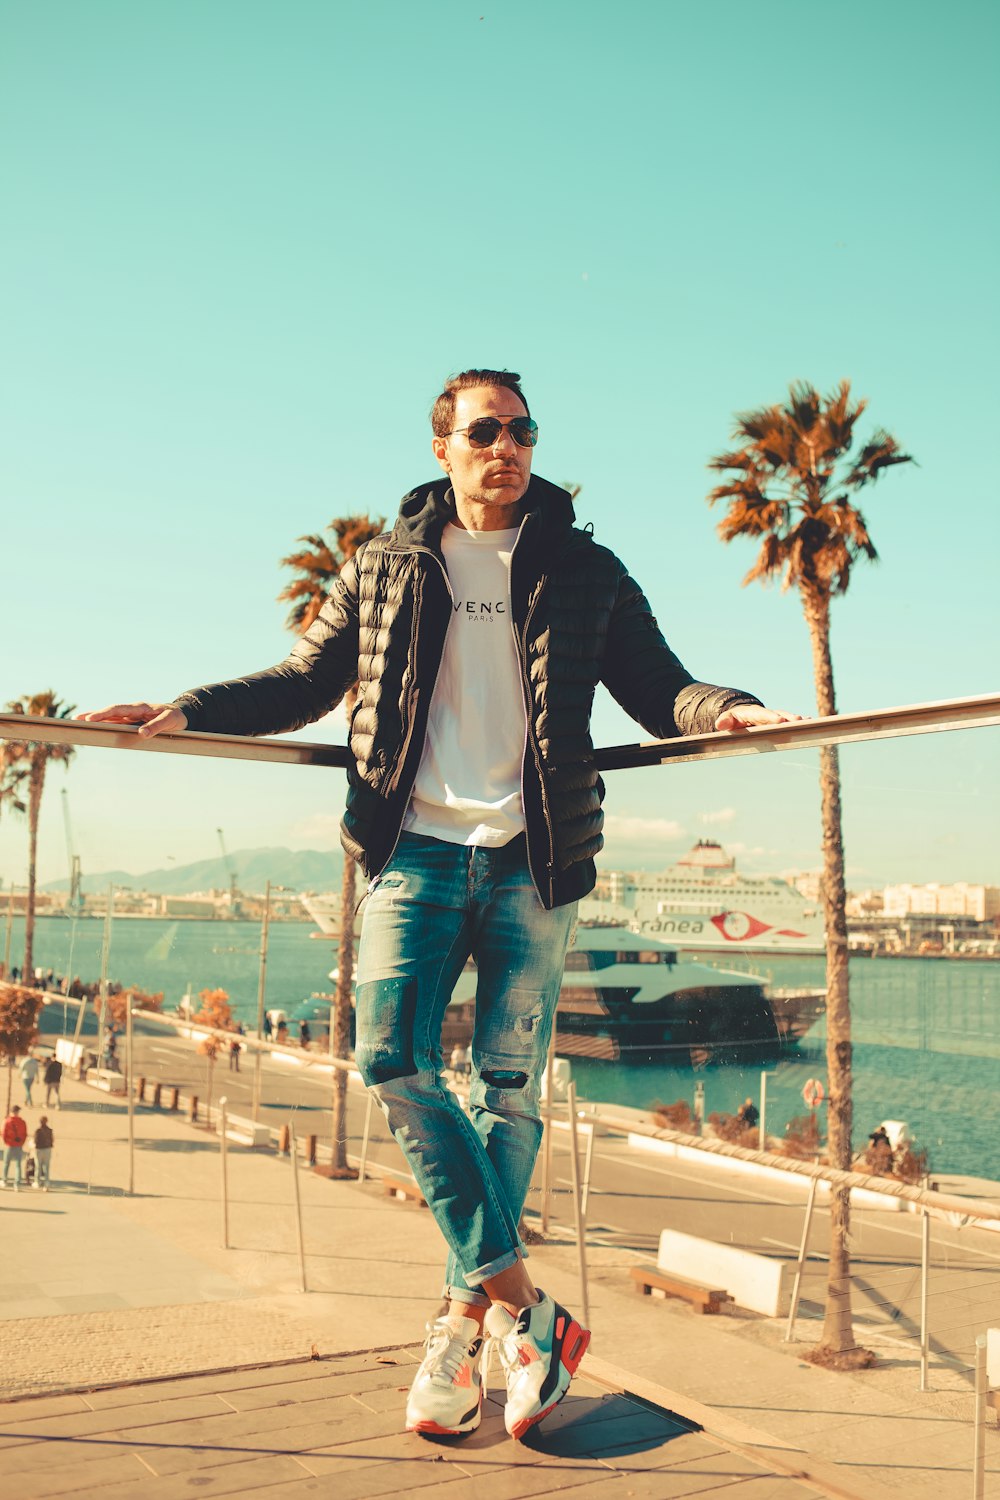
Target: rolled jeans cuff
463,1295
494,1267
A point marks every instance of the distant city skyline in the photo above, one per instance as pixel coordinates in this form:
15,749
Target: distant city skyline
244,245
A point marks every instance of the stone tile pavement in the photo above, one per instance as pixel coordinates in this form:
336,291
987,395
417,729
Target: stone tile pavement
98,1288
331,1427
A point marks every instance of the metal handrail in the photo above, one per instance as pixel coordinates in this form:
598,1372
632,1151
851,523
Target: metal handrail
837,729
921,1197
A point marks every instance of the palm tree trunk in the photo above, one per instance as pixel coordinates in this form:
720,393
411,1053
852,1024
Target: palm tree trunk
10,1083
340,1039
36,784
838,1330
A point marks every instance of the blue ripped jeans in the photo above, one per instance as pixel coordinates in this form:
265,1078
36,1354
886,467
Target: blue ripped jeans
434,905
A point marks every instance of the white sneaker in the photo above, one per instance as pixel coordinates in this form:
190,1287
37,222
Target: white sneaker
446,1394
539,1350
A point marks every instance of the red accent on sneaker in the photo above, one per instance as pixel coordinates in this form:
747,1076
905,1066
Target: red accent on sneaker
577,1342
520,1428
560,1325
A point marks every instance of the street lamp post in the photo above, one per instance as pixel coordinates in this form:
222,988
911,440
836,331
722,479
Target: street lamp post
261,986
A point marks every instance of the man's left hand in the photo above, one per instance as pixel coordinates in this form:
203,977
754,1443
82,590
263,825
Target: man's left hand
749,715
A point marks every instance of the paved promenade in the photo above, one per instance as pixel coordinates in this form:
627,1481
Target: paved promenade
98,1288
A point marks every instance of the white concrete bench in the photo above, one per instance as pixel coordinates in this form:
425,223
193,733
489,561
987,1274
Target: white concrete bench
244,1132
106,1079
993,1368
754,1281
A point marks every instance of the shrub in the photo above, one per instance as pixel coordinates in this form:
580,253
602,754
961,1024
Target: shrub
215,1010
801,1137
734,1130
675,1116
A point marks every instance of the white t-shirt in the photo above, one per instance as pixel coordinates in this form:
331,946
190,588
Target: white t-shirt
468,787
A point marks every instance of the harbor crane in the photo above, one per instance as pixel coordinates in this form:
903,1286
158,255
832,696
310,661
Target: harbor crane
234,895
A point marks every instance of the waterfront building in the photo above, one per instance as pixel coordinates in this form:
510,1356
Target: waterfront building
980,902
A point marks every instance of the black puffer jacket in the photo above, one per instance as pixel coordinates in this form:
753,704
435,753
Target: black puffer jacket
578,618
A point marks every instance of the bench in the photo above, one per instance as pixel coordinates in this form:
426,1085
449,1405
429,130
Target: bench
245,1132
753,1281
106,1079
993,1369
705,1298
404,1189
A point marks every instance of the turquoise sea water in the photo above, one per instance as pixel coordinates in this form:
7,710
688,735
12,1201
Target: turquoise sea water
927,1031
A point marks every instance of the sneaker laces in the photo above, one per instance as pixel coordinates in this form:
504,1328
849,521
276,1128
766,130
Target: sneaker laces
447,1348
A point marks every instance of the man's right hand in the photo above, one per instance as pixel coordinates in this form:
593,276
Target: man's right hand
152,718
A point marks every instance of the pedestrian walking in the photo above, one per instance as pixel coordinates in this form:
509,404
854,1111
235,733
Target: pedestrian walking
234,1056
29,1072
305,1035
52,1078
44,1141
748,1114
15,1133
477,631
268,1026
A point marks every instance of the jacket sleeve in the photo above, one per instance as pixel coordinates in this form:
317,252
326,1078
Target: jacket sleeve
646,678
311,681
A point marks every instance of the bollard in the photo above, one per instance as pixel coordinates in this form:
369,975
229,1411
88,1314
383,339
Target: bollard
140,1090
175,1098
284,1140
193,1108
156,1095
311,1150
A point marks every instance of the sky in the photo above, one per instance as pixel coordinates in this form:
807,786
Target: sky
243,243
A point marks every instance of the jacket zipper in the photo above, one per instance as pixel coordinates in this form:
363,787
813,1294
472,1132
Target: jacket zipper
520,651
409,736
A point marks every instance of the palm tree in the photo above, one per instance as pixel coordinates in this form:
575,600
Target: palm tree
319,562
35,757
790,483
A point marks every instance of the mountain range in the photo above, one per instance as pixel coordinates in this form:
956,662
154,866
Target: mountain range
297,869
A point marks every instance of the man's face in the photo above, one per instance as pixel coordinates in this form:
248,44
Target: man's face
490,476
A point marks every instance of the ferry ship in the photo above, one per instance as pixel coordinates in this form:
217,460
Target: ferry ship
628,996
704,902
324,909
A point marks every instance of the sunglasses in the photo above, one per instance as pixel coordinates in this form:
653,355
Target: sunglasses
484,431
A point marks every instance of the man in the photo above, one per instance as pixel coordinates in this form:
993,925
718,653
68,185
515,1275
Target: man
53,1081
29,1072
44,1141
478,628
15,1133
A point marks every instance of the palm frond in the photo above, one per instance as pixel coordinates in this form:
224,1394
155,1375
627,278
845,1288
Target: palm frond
319,562
881,452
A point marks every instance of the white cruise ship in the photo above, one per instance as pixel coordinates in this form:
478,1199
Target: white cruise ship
704,902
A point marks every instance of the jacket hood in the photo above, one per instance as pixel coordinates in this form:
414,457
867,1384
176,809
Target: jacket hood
424,512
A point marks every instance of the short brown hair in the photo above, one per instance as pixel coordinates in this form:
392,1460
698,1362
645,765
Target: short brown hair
443,410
